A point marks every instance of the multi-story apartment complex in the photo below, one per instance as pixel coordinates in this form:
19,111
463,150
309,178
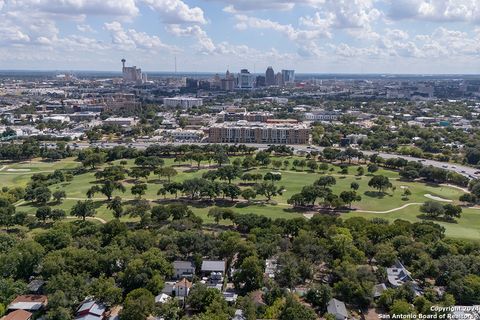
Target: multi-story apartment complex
254,132
183,102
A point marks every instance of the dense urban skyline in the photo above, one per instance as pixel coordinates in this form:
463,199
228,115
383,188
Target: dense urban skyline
358,36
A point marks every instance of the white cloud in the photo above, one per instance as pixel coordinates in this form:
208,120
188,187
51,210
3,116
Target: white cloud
85,28
78,7
235,6
176,11
132,39
436,10
245,22
204,42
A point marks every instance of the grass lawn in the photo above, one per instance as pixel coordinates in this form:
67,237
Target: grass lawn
293,181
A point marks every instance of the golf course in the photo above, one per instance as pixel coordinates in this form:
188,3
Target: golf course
389,205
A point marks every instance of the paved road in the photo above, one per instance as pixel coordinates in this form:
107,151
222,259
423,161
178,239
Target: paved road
461,169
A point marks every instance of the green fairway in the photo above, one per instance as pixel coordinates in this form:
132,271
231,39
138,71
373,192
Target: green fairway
293,181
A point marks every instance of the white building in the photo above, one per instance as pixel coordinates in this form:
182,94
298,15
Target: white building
183,102
322,116
185,135
245,80
120,121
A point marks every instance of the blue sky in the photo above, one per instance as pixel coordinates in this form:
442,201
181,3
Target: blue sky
326,36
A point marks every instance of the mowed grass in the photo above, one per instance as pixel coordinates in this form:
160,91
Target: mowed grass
293,180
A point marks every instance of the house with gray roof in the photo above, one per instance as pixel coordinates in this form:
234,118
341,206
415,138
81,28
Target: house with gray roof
338,309
210,266
183,269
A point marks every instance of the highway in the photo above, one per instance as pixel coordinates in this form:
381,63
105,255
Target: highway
461,169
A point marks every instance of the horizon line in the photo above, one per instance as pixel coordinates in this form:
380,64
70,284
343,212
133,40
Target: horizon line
221,72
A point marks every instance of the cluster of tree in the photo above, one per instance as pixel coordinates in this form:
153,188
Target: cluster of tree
321,190
119,264
38,190
436,210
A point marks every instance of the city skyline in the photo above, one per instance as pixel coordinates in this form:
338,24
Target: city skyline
310,36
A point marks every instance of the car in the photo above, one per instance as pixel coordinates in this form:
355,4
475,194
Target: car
463,171
477,172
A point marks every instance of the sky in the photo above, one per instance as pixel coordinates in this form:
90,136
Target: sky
310,36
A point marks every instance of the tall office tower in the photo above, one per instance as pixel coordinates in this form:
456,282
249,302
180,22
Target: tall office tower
245,80
288,77
270,77
260,81
279,79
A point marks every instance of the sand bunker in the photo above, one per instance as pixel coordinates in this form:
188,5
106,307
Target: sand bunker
19,170
429,196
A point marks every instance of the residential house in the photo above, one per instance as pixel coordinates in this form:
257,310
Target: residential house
36,286
18,315
210,267
378,290
162,298
183,269
91,310
338,309
30,302
398,275
271,266
182,288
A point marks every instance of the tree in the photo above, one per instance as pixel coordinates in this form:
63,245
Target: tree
229,173
360,171
432,209
263,158
319,296
354,186
42,195
57,214
231,191
94,159
268,189
139,305
201,297
325,181
43,213
401,307
452,211
249,163
83,209
7,211
248,194
468,198
350,196
372,168
272,176
381,183
249,277
106,188
106,291
168,172
294,310
139,189
59,195
116,206
312,165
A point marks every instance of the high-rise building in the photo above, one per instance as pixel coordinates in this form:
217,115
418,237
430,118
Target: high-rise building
255,132
288,77
245,80
260,81
133,74
270,77
279,79
228,83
